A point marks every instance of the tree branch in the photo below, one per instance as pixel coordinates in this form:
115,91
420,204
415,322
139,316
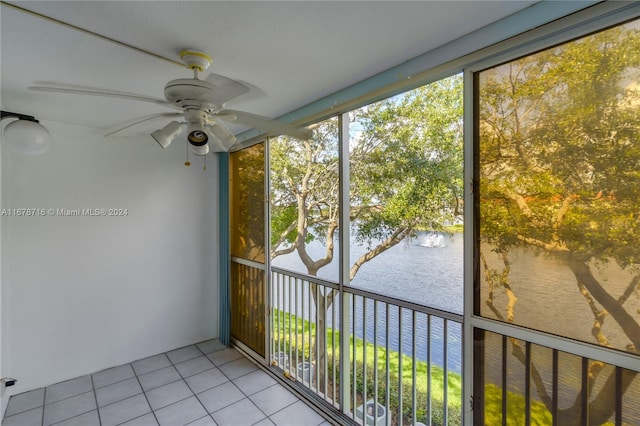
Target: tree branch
281,239
564,208
554,247
398,235
282,252
627,323
632,286
521,203
518,353
598,317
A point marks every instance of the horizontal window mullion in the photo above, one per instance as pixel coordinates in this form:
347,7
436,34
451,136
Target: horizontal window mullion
247,262
583,349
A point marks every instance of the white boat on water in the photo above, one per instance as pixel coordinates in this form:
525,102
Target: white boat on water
433,240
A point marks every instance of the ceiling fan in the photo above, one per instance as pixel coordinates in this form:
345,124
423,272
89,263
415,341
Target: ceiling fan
202,105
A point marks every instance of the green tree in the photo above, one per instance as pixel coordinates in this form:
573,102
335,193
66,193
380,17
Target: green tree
560,171
405,174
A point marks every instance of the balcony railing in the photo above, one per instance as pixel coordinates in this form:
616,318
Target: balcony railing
383,361
527,383
402,362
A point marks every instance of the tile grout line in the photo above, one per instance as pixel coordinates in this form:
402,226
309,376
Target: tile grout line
23,411
43,406
172,364
95,396
185,382
229,380
197,420
77,415
241,391
286,406
159,386
44,399
119,381
135,374
69,397
93,389
281,382
135,418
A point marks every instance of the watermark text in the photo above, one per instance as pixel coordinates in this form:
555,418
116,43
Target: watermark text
58,212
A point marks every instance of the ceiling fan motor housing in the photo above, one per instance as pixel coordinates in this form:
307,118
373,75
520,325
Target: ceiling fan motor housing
189,92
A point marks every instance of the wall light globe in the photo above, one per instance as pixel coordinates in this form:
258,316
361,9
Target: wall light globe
27,137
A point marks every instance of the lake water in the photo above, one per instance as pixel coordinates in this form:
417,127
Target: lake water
434,277
410,271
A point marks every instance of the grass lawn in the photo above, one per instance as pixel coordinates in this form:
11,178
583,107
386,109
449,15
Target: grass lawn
286,325
283,322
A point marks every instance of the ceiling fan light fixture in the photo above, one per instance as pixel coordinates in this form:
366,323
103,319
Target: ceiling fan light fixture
198,137
200,150
224,137
167,134
196,131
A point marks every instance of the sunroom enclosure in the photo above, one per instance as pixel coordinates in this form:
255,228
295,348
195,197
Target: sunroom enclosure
538,319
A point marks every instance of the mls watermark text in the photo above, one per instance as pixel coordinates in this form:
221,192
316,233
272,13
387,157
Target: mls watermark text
58,212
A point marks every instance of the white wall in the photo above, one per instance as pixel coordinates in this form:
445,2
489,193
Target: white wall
86,293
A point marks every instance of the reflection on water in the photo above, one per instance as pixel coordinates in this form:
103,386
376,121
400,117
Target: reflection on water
432,276
548,299
547,292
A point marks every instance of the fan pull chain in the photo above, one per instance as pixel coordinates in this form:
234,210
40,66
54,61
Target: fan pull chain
187,163
205,163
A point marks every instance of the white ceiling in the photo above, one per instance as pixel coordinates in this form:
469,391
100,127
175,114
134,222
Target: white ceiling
295,52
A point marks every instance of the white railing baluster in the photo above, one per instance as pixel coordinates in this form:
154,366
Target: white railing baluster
354,365
400,334
375,354
295,298
300,317
413,367
297,316
445,407
364,356
429,369
333,351
387,378
290,338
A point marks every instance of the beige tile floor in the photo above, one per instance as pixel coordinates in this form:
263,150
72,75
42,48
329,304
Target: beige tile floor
198,385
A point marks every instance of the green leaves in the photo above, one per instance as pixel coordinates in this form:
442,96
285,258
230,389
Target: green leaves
559,157
406,164
405,159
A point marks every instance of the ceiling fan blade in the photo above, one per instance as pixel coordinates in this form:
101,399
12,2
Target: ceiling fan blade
227,88
45,86
263,123
142,120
